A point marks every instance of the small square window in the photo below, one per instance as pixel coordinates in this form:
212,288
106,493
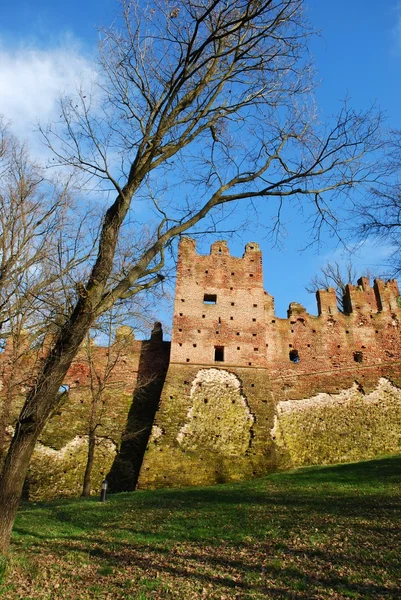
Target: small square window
219,353
210,299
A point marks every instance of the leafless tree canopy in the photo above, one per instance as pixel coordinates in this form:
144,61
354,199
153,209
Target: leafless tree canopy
334,275
198,103
41,251
203,103
379,213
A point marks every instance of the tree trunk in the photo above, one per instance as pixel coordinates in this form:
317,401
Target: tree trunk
86,489
11,483
41,401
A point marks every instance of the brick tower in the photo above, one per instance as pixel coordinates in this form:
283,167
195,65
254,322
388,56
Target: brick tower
219,315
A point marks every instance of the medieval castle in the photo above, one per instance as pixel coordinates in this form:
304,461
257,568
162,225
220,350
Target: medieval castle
238,392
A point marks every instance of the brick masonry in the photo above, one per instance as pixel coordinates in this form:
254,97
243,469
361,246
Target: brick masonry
225,321
238,393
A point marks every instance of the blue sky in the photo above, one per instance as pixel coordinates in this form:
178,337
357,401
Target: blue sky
45,46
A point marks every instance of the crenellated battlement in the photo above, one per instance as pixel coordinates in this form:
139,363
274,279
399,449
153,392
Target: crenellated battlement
223,315
242,392
247,392
363,298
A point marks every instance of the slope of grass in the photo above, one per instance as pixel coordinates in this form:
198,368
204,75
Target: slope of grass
331,532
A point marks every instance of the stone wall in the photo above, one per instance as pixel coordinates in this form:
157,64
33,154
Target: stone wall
301,390
58,464
242,392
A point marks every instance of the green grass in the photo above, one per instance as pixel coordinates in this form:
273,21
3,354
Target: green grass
331,532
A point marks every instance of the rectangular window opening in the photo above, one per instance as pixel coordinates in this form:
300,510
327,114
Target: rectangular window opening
210,299
219,353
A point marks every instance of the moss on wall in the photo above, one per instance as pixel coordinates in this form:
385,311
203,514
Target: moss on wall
219,419
59,473
348,426
226,438
72,417
58,463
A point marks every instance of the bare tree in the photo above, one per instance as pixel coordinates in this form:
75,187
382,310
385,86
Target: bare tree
39,259
116,338
99,377
199,103
333,275
379,212
26,225
40,253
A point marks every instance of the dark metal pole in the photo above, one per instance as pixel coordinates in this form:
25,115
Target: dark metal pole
103,491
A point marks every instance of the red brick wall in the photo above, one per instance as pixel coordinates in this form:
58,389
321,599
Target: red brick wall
243,322
235,322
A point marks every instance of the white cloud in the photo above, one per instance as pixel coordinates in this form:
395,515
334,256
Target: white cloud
32,80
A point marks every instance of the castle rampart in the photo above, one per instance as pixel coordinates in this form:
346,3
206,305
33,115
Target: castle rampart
223,317
241,393
224,325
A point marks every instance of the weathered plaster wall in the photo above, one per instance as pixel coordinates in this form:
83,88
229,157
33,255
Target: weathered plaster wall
343,427
59,473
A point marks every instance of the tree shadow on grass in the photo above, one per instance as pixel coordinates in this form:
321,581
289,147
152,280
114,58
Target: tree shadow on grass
286,537
245,568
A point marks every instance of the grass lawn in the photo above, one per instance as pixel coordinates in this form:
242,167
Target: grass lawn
332,532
